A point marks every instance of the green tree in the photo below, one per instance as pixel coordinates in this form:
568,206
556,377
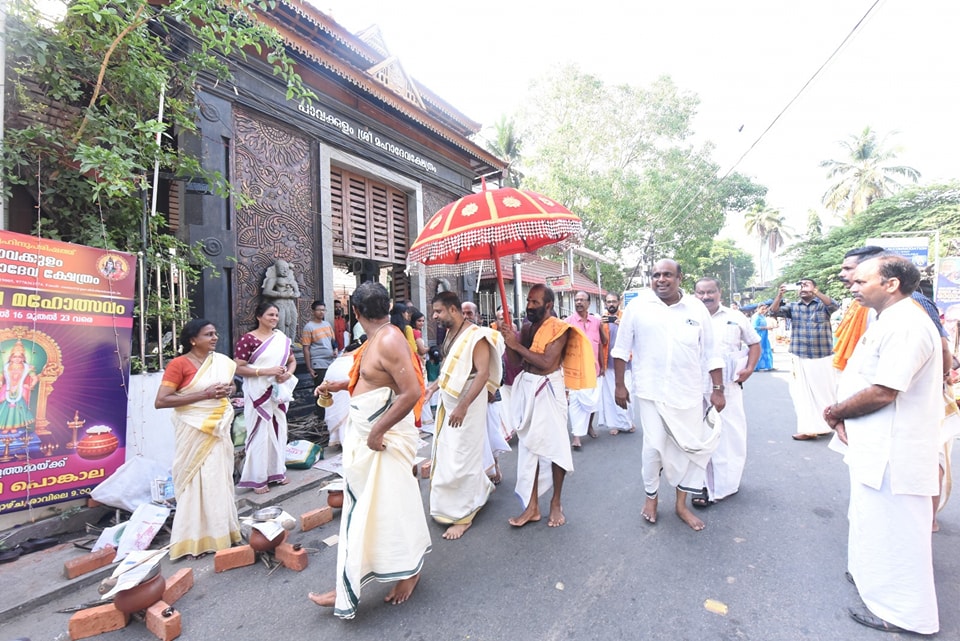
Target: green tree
814,224
864,175
768,225
619,156
727,262
920,209
83,131
507,145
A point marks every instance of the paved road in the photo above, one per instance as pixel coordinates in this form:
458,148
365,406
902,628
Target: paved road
774,555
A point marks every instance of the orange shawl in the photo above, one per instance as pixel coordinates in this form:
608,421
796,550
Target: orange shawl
579,368
848,333
355,377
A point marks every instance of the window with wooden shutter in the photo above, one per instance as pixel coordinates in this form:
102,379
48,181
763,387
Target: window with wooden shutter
369,219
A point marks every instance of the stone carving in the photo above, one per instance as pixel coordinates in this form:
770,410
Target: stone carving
280,288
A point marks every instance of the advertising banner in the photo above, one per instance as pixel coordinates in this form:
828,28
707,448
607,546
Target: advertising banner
948,296
66,314
917,249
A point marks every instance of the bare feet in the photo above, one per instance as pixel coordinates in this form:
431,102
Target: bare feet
283,481
455,531
614,432
650,510
531,514
689,518
402,590
325,600
262,490
556,517
592,433
576,443
936,526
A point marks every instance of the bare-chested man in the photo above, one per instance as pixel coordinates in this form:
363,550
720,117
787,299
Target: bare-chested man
539,403
386,534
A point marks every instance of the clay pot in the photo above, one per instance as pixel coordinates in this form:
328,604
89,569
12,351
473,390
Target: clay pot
335,498
260,543
142,596
99,442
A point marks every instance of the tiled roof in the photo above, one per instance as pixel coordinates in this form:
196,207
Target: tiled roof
534,270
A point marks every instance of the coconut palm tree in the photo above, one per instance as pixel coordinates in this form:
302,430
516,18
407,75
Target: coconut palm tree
865,175
768,225
506,145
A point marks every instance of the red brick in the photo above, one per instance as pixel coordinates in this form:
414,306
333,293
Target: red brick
89,562
425,469
178,585
97,620
166,628
292,559
231,558
315,518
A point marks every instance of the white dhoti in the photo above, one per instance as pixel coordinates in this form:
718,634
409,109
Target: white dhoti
612,416
383,531
676,441
726,465
813,388
459,485
890,555
540,407
496,441
582,404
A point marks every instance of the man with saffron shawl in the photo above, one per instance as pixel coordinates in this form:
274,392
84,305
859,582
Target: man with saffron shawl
553,356
383,530
472,365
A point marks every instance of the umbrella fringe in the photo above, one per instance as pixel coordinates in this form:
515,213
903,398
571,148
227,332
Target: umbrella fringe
449,249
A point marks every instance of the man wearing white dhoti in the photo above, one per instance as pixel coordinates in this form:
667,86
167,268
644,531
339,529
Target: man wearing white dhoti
814,384
670,336
472,367
890,395
610,415
383,531
738,344
583,403
539,403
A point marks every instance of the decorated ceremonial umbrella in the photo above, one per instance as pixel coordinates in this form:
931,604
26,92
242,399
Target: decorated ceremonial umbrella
490,224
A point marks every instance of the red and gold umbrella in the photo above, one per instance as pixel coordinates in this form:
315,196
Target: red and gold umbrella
488,225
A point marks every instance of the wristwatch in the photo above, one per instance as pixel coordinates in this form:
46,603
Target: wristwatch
718,388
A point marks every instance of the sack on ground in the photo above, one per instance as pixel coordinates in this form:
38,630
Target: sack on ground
301,455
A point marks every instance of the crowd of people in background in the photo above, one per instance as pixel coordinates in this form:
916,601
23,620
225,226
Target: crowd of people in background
671,362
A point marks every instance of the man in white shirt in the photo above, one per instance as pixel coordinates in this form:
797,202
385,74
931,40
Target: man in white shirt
738,344
671,338
891,395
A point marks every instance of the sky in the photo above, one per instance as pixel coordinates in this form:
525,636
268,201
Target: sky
745,59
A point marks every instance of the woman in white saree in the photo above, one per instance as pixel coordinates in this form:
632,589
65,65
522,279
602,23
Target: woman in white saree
198,385
266,363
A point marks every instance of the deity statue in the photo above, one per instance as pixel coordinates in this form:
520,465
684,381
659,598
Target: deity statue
280,288
18,381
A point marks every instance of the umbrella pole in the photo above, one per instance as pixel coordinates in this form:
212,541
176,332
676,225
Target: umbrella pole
503,290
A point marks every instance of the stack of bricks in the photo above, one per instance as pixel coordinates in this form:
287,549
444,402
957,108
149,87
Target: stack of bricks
161,619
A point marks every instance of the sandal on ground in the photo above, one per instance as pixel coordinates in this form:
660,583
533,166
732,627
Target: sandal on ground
701,500
863,616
